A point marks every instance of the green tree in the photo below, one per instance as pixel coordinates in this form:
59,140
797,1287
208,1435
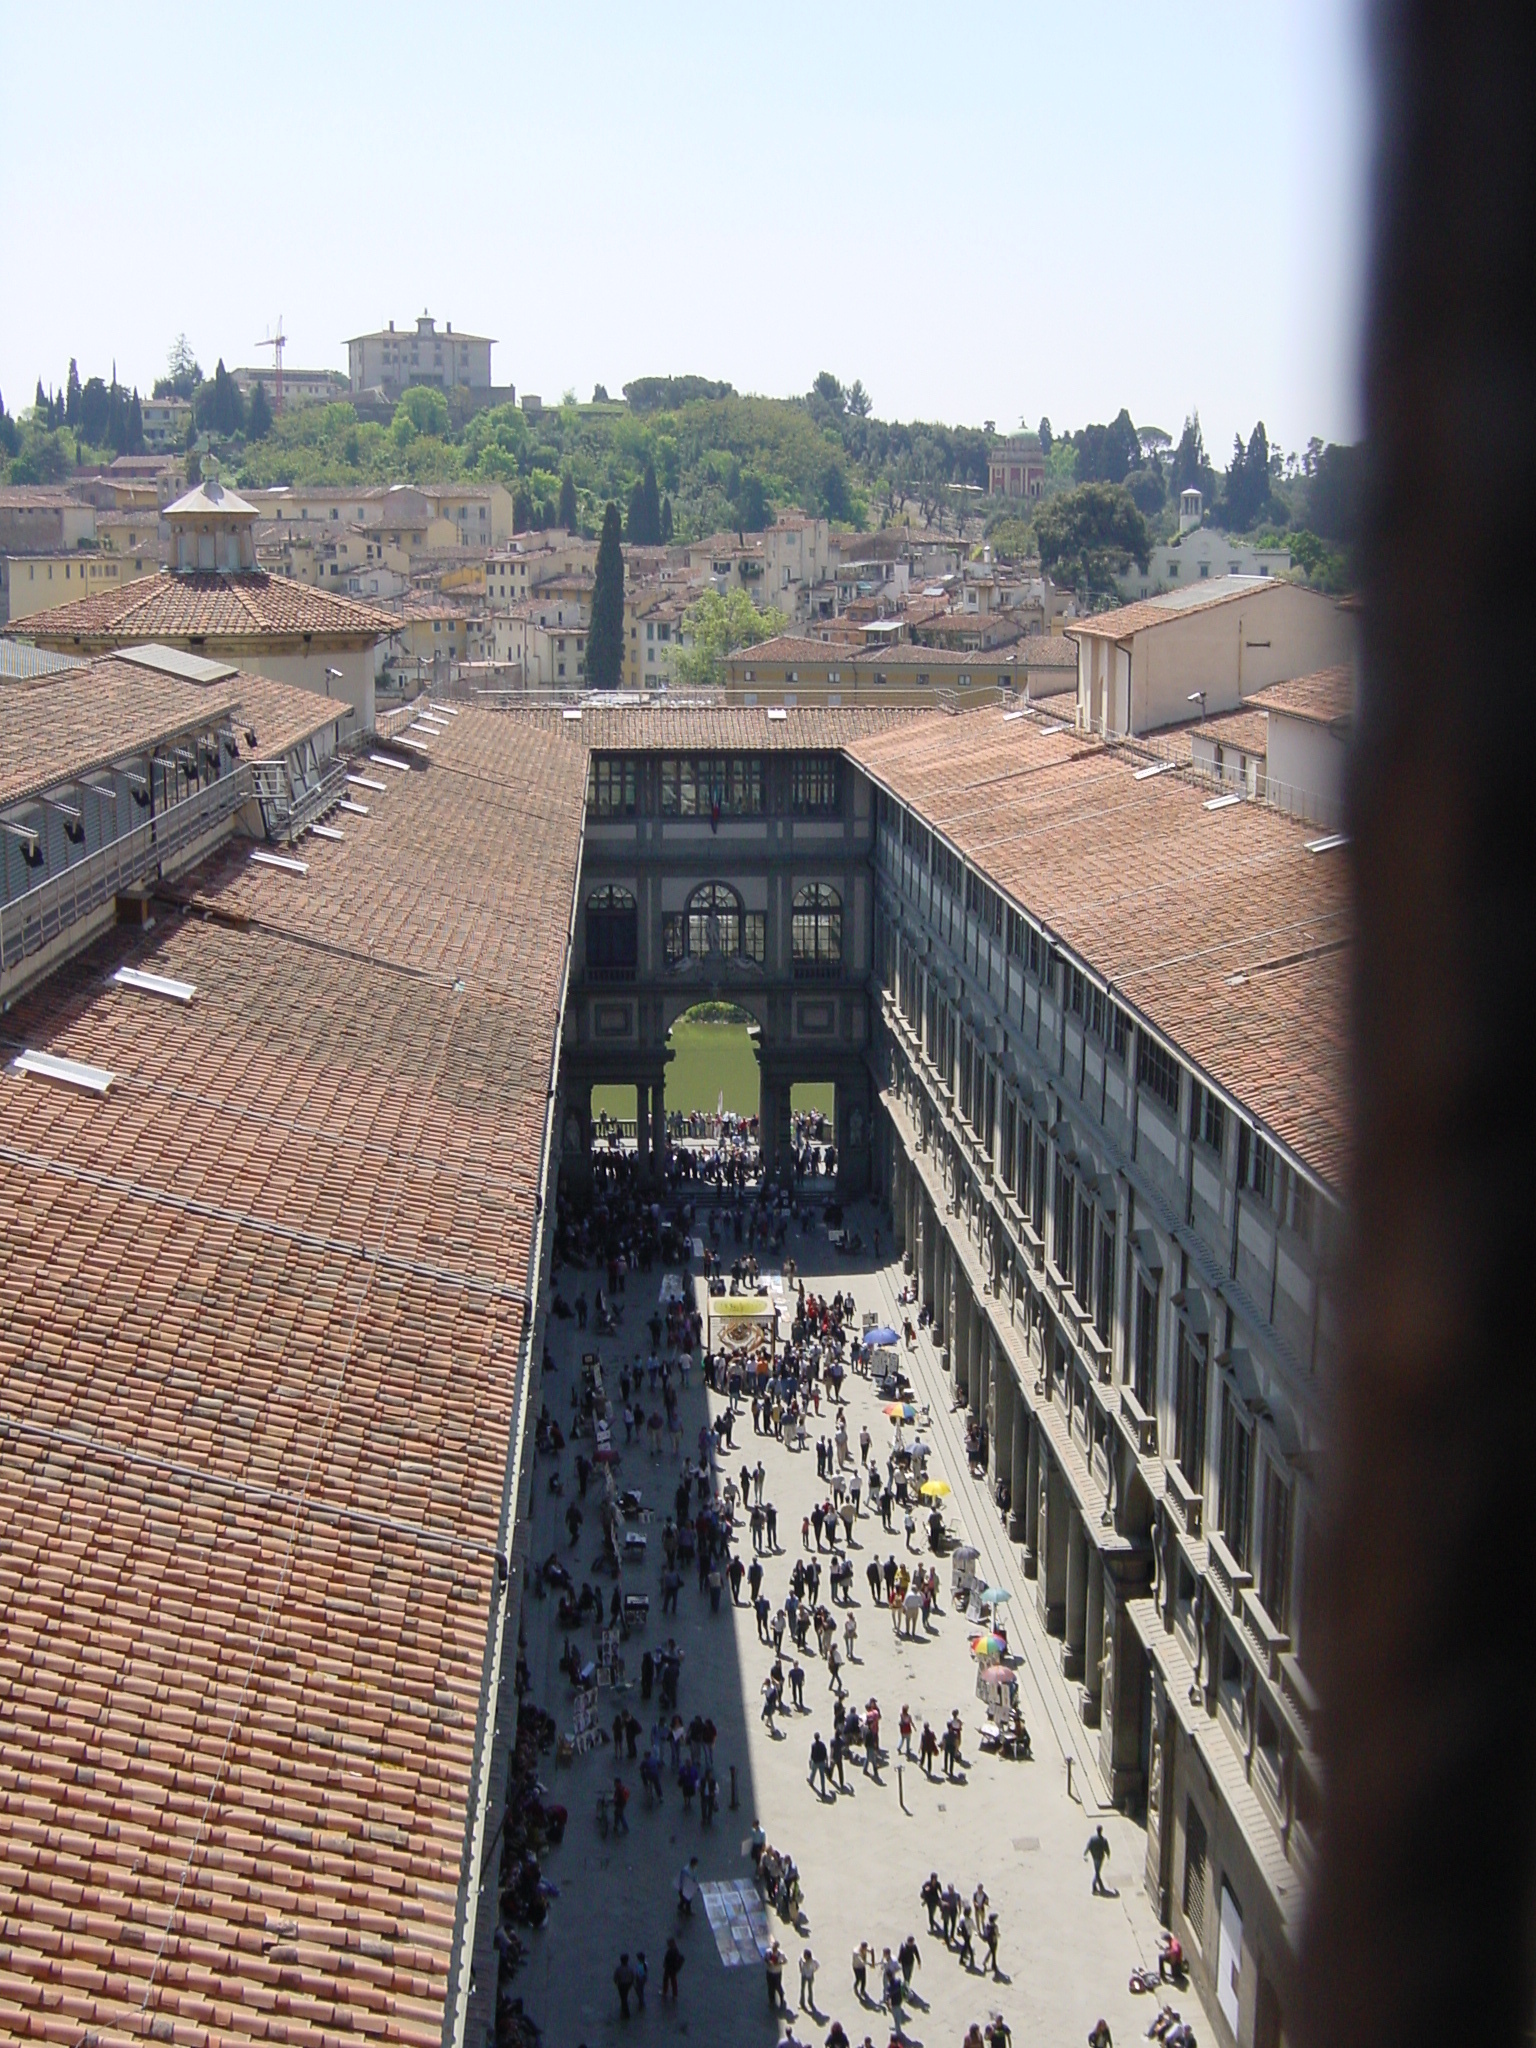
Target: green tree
217,407
1245,497
258,417
753,511
1090,536
72,395
94,412
605,634
134,442
10,433
599,394
643,526
1108,454
567,513
183,373
1044,431
830,391
422,410
666,520
836,503
858,399
1189,461
714,627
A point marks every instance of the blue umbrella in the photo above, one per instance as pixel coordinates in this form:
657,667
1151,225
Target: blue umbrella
884,1335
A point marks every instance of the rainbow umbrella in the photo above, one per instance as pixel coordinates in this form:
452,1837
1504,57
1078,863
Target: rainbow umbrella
989,1646
901,1410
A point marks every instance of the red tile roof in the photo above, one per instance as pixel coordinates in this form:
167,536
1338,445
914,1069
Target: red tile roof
1324,697
175,606
1128,619
82,719
1218,927
258,1375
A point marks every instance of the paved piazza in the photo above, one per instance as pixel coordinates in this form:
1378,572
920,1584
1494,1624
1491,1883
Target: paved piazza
1064,1955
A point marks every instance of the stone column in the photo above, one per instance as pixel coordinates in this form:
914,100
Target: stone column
659,1128
1031,1528
1004,1396
643,1126
1093,1634
1051,1546
1021,1468
981,1387
1076,1620
768,1124
898,1198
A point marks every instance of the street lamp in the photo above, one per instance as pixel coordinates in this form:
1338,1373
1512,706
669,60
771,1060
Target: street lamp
1198,697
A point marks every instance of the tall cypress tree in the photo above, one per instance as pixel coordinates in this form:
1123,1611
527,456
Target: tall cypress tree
605,635
72,395
567,517
651,502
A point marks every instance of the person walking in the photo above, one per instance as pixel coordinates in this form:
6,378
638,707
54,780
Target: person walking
624,1983
773,1970
949,1913
931,1894
642,1976
797,1684
989,1935
1098,1849
819,1766
863,1956
671,1964
808,1969
964,1944
909,1955
928,1748
904,1729
850,1635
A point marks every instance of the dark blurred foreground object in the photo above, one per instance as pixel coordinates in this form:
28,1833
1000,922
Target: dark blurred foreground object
1424,1911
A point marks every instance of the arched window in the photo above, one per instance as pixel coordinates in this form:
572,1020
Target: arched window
816,930
714,922
612,934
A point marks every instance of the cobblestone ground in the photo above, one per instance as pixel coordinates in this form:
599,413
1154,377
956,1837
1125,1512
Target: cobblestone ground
1064,1957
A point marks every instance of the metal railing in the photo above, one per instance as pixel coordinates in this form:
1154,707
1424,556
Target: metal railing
34,920
284,815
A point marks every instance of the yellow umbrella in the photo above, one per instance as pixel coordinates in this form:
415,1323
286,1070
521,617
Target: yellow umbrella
934,1488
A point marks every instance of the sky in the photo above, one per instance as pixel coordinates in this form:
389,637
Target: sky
995,212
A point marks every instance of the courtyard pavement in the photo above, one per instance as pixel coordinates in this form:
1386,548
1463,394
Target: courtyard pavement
1064,1955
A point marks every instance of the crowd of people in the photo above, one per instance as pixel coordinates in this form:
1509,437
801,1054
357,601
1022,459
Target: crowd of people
722,1526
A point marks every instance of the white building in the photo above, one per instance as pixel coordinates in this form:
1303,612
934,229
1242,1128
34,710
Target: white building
394,359
1187,653
797,553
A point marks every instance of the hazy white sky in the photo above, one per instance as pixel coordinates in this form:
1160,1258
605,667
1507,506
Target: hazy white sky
992,211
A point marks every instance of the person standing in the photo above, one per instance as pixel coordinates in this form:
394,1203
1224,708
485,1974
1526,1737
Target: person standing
642,1976
1098,1849
931,1895
773,1970
671,1964
928,1749
624,1983
863,1956
808,1969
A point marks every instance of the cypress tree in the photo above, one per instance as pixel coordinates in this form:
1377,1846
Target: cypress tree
651,499
72,395
634,516
135,425
605,635
258,420
567,516
666,519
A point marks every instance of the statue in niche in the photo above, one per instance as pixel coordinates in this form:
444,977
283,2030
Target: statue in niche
856,1126
1159,1543
1155,1776
572,1131
1107,1679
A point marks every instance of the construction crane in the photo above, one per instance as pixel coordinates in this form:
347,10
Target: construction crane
275,343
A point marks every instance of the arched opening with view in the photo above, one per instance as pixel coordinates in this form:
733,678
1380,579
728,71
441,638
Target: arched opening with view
714,928
816,932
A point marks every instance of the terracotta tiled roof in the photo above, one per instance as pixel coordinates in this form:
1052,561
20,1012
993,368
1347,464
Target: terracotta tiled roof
1243,727
1127,619
790,647
172,606
281,715
1324,697
1172,903
258,1381
1048,650
678,724
82,719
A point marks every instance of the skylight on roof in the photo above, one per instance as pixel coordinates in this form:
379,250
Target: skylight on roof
571,711
1157,768
155,984
1224,803
778,714
447,710
1010,716
389,761
357,810
1328,843
431,731
327,832
47,1066
280,860
367,782
1048,729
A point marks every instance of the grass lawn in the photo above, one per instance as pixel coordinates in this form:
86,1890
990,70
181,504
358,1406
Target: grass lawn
710,1060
